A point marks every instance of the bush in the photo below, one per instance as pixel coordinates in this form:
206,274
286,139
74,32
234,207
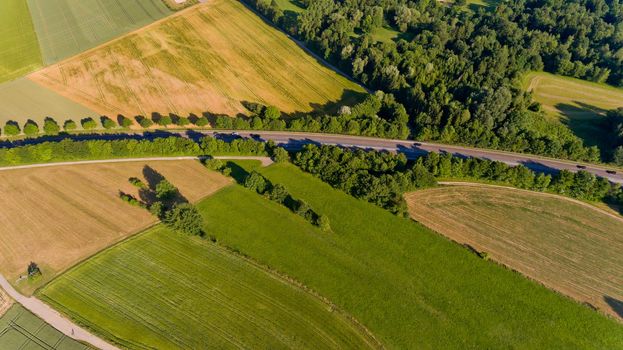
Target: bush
165,191
256,182
70,125
165,120
135,181
107,123
11,128
214,164
203,121
125,122
157,209
303,209
279,193
130,199
185,218
33,270
88,123
31,128
182,121
280,155
144,122
271,112
323,223
50,126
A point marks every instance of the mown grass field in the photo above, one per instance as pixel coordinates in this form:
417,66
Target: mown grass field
19,49
20,329
566,246
68,27
209,58
58,216
577,103
409,286
163,290
23,99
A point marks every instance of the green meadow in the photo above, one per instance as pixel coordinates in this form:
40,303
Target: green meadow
162,290
19,49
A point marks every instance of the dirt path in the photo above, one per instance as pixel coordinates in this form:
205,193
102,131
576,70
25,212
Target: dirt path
55,319
266,161
551,195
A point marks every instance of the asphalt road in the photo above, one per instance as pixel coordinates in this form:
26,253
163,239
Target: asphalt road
293,140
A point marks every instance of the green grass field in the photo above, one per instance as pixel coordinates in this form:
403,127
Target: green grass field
162,290
19,49
576,103
20,329
68,27
409,286
23,99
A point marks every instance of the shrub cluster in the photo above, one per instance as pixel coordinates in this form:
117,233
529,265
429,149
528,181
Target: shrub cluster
377,177
279,194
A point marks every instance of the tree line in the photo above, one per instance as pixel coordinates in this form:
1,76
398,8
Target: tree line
457,72
382,178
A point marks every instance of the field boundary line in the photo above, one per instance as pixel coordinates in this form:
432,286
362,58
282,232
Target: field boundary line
543,194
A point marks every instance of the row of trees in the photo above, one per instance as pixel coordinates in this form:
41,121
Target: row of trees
51,127
68,150
382,178
456,72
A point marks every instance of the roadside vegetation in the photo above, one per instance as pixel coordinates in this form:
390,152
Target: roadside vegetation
20,329
568,246
165,290
19,48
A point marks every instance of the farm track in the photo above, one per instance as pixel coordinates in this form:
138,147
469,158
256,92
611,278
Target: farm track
55,319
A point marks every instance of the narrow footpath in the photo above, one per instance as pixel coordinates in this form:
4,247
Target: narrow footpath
54,318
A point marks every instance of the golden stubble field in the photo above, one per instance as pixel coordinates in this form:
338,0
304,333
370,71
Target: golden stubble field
208,58
5,302
57,216
566,246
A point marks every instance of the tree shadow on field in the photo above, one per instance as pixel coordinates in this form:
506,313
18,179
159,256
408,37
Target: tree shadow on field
153,178
585,121
238,173
615,304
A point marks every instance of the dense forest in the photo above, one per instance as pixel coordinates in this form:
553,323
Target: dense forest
457,72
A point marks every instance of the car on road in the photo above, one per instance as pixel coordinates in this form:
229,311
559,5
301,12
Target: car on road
581,166
611,172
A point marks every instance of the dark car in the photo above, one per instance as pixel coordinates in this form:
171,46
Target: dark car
611,172
581,166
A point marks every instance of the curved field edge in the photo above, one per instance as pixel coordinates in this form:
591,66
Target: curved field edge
410,286
564,244
163,290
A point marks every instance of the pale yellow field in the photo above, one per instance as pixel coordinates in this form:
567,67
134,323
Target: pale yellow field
567,246
58,216
208,58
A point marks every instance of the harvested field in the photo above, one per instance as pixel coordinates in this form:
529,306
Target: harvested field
208,58
164,290
577,103
23,99
5,302
567,246
20,329
57,216
68,27
19,49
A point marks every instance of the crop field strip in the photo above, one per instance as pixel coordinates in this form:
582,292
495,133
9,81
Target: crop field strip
566,246
165,290
23,99
68,27
577,103
208,58
76,210
19,48
5,302
20,329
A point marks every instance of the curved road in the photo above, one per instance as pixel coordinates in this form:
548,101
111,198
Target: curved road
55,319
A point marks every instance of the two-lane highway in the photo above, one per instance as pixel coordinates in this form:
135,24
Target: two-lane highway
294,140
